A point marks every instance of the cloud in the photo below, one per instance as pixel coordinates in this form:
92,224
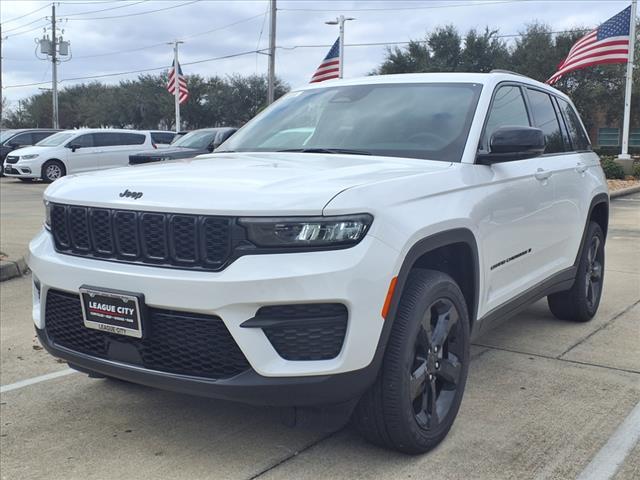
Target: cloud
299,23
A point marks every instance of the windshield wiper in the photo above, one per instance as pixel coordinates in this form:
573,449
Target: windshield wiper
327,150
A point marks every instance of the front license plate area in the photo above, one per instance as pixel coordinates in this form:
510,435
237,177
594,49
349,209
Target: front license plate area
112,311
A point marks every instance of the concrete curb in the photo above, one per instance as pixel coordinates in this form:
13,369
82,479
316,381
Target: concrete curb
625,191
12,268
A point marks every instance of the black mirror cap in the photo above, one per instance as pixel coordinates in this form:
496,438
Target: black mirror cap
73,146
513,143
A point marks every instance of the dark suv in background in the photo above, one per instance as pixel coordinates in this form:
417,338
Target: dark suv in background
192,144
18,138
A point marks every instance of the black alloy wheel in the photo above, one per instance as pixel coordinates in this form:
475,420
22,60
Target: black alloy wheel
580,303
415,399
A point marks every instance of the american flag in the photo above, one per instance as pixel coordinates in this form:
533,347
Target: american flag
609,43
183,93
330,66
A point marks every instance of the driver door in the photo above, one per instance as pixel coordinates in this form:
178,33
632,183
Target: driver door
515,231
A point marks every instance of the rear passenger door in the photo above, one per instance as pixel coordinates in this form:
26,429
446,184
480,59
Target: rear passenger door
575,179
514,228
118,146
561,163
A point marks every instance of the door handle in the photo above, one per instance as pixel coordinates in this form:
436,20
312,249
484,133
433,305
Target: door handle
581,167
542,174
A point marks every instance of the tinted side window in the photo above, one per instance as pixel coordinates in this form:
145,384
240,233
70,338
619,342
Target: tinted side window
131,139
508,109
544,117
162,137
83,140
579,139
37,136
105,139
22,139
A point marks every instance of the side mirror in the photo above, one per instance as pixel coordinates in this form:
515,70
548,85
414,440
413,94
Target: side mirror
513,143
74,146
13,145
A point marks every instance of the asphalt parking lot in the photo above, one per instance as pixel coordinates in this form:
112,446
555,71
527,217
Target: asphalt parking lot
545,399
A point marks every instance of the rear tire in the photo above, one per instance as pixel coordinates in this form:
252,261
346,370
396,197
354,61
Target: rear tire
416,397
580,303
52,170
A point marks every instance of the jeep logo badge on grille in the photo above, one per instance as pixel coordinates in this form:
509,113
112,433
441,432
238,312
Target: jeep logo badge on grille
129,194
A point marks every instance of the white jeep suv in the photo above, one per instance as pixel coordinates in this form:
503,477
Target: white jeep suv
350,267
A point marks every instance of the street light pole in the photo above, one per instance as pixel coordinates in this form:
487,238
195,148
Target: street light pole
340,22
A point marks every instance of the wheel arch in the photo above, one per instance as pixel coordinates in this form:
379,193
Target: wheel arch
452,252
64,165
599,213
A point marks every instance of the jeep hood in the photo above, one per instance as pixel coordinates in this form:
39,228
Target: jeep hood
236,183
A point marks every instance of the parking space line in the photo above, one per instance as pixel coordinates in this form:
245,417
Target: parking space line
31,381
612,455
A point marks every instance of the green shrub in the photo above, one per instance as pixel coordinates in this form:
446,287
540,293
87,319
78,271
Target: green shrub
636,169
611,169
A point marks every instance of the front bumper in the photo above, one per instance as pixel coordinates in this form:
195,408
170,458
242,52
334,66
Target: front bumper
21,171
248,387
357,277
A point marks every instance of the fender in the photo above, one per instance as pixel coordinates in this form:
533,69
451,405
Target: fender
421,247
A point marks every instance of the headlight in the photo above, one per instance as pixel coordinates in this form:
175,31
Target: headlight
29,157
309,232
47,215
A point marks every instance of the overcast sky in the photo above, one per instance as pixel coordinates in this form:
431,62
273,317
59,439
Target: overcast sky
134,40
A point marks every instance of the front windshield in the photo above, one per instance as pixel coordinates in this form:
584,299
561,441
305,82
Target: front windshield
6,134
422,120
199,140
56,139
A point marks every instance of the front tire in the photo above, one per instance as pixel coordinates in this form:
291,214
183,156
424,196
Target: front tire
52,170
416,397
580,303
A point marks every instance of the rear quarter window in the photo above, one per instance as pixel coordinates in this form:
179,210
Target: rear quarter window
164,138
131,138
578,137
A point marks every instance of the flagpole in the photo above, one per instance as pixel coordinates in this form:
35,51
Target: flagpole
176,93
624,155
340,22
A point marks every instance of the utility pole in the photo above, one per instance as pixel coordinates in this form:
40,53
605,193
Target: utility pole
54,49
340,21
271,77
54,66
176,82
624,155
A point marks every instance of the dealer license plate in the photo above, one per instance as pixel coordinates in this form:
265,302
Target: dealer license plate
112,311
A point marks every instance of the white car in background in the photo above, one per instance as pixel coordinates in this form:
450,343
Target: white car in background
76,151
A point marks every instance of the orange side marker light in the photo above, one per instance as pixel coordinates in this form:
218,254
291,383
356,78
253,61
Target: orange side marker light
387,301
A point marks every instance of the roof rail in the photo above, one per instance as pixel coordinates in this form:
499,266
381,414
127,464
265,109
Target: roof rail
499,70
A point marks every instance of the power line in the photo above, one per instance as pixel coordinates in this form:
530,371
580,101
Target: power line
44,25
105,9
293,47
26,14
24,25
165,42
115,74
387,9
139,13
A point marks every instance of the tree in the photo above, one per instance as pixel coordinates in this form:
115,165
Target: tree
144,103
